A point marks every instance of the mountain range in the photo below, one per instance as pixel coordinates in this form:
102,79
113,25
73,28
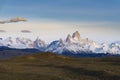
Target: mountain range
73,44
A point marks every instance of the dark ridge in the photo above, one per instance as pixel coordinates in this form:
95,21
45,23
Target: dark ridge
41,55
88,54
6,52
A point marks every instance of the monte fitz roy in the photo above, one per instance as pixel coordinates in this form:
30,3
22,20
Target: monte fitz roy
72,44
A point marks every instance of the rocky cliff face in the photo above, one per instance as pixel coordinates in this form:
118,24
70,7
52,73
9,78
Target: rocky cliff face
76,36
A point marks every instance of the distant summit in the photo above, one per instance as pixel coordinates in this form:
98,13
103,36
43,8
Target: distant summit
39,44
72,44
69,38
76,45
76,36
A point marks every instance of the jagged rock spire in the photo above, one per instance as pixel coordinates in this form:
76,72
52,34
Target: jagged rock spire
69,38
39,43
76,36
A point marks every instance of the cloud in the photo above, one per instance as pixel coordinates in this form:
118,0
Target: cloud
2,31
13,20
3,22
18,19
25,31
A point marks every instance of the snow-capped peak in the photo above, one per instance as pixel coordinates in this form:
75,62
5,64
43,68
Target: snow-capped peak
69,38
74,44
38,43
21,43
76,36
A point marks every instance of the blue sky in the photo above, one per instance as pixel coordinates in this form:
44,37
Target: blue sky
103,16
73,10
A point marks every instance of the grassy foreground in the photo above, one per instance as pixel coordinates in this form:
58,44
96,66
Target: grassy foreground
48,66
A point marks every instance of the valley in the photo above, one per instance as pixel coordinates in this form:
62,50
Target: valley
50,66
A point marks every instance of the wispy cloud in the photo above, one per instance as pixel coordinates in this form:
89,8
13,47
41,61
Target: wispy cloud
25,31
13,20
2,31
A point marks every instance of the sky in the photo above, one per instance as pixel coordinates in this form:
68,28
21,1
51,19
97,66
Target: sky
98,20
